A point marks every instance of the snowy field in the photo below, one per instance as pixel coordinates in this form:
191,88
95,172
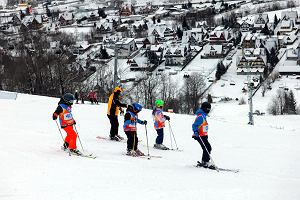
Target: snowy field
33,166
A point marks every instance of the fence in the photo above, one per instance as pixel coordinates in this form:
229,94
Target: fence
8,95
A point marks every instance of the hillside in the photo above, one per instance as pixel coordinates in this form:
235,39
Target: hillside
33,166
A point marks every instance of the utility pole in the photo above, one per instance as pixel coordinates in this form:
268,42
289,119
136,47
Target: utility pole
251,120
116,66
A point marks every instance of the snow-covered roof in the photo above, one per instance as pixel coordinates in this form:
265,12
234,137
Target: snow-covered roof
263,17
213,48
289,14
286,23
252,70
125,41
66,15
288,68
292,53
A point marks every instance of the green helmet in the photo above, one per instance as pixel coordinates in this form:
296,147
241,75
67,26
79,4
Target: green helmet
159,103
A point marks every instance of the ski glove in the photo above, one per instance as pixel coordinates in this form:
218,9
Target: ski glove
195,135
167,117
54,116
145,122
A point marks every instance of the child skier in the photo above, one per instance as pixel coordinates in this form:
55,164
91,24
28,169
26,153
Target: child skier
63,111
130,129
200,129
159,124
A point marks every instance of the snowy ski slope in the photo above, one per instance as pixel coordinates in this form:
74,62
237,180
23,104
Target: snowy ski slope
33,167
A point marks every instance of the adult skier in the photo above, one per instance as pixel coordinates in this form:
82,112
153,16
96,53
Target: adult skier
200,129
130,129
114,106
64,113
76,96
159,123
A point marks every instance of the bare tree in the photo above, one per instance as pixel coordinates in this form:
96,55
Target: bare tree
192,92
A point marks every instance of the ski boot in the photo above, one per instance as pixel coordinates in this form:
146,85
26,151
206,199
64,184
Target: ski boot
139,153
206,165
115,138
119,137
131,153
75,152
65,146
160,146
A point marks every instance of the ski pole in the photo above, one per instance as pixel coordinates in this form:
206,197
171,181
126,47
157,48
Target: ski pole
62,137
209,154
170,128
147,142
78,137
171,137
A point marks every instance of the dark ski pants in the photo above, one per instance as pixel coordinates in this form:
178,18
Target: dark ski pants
113,119
160,136
132,140
205,155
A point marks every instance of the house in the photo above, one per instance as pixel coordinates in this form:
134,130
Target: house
220,35
66,19
284,26
126,47
252,61
292,54
177,55
81,47
289,69
139,64
31,23
104,27
291,65
215,51
154,53
147,42
289,39
290,14
125,10
93,17
162,32
161,13
260,21
246,26
249,40
195,36
146,9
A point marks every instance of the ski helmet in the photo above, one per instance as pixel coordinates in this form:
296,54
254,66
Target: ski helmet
206,106
69,98
118,89
159,103
137,107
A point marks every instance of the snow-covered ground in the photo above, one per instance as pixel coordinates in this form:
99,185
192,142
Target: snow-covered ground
33,166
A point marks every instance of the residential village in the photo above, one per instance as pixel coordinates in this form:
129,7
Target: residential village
173,38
